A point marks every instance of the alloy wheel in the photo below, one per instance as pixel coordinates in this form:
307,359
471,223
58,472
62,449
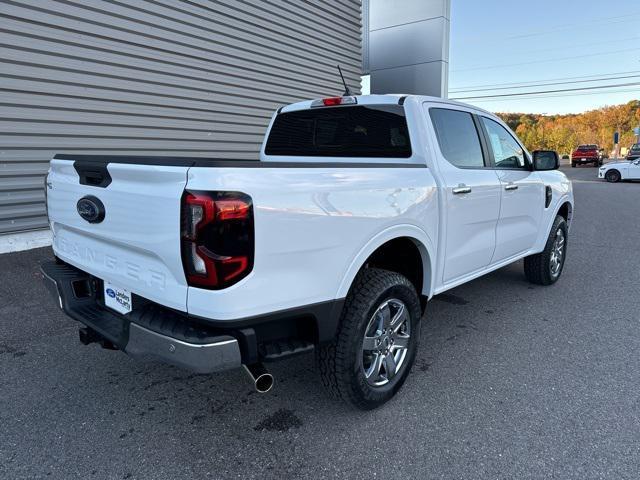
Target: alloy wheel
386,342
557,253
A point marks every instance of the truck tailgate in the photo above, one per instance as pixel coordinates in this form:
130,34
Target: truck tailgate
136,246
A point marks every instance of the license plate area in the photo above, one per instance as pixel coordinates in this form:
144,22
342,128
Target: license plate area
117,298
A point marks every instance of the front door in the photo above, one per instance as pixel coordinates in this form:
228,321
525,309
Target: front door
634,170
471,192
522,194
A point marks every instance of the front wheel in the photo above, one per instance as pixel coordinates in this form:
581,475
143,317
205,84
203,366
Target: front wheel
372,354
545,268
613,176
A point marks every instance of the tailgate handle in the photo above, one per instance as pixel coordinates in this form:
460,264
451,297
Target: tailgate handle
92,174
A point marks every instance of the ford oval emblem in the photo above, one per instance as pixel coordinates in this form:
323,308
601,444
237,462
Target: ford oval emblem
91,209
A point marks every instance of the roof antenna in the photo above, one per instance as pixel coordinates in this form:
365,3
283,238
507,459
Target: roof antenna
347,91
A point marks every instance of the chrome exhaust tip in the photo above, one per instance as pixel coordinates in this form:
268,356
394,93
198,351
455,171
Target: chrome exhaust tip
262,380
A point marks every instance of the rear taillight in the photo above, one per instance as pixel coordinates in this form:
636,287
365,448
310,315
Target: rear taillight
46,197
217,238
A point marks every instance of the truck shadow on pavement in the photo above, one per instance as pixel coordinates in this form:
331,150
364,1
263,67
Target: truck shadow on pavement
448,318
108,401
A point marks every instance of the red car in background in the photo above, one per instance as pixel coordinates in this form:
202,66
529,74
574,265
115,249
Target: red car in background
586,154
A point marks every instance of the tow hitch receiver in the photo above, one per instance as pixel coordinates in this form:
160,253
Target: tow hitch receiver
89,336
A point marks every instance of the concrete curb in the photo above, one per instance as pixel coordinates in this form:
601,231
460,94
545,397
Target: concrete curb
16,242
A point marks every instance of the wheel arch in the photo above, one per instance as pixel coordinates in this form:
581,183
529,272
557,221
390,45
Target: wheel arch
391,249
565,211
564,208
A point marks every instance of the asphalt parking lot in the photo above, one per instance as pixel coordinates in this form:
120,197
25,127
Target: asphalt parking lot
512,381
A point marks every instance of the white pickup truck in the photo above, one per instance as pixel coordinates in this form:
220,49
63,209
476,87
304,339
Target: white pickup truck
358,210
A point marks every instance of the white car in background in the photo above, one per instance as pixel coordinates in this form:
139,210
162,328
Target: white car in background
620,170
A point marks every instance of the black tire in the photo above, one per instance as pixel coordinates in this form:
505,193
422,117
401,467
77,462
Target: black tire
573,165
341,362
612,176
537,268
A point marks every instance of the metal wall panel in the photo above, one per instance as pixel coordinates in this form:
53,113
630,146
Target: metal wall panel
407,49
366,68
156,77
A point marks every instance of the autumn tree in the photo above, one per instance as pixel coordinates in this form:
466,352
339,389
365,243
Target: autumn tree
564,132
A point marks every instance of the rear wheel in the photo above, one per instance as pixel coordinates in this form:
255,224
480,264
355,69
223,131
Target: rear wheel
613,176
376,344
573,164
545,268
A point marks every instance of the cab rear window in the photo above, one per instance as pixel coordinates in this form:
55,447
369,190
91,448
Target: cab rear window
353,131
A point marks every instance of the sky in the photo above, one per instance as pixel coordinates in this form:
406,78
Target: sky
522,42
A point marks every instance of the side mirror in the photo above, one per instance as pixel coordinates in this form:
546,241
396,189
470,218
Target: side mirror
545,160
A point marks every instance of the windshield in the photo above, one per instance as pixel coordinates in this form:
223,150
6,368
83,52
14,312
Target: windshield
354,131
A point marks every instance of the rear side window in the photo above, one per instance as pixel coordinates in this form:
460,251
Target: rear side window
458,137
354,131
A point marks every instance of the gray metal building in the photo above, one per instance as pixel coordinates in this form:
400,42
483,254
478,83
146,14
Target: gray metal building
156,77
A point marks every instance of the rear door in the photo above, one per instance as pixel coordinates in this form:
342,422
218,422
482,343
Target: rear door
471,191
136,243
522,193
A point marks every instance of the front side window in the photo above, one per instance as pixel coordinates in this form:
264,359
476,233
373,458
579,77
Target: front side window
353,131
507,153
458,137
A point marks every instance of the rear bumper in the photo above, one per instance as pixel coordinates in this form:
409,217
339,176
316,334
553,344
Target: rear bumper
149,331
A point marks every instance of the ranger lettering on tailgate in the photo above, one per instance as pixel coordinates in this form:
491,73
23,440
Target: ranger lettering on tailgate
123,267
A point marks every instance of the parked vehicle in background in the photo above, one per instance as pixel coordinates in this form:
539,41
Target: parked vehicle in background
358,210
634,152
603,155
588,153
620,170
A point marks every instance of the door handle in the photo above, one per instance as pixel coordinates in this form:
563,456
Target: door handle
511,186
460,189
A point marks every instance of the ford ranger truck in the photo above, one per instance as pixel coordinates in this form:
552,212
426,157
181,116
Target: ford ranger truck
358,210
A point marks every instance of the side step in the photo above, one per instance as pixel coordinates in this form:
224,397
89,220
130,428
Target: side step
273,351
